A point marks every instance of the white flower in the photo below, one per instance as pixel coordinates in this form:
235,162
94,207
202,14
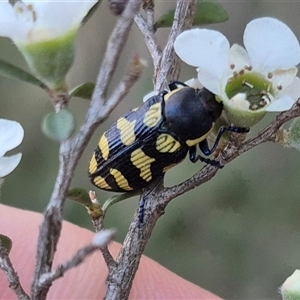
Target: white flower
259,78
11,135
291,287
45,33
32,21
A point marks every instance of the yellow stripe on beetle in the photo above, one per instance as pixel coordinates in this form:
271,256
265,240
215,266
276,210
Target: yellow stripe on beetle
93,165
101,183
165,143
104,147
153,115
126,128
120,179
191,143
143,162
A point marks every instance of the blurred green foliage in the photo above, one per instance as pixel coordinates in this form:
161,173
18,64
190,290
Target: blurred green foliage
238,235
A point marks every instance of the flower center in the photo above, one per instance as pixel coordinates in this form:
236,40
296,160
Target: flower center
258,90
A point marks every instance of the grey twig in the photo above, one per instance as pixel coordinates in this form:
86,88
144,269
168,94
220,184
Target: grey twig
11,274
102,239
98,226
166,64
149,38
170,64
71,149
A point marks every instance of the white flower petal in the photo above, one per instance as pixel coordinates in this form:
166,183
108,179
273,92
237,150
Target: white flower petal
291,287
9,163
210,81
239,102
194,83
293,90
67,15
9,22
11,135
281,104
238,58
204,48
283,78
271,45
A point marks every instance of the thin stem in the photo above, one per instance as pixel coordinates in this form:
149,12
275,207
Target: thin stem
71,150
114,49
78,258
170,67
149,38
108,258
11,274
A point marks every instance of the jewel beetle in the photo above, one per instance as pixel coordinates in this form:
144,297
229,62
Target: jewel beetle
147,141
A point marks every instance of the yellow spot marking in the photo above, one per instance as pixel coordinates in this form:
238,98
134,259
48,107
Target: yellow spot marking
120,179
104,147
191,143
153,115
101,183
166,143
126,128
135,109
93,165
142,162
167,96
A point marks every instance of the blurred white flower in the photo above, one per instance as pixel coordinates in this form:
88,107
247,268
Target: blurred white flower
45,33
32,21
291,287
11,135
258,78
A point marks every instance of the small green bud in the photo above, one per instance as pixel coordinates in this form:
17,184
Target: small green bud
51,59
58,126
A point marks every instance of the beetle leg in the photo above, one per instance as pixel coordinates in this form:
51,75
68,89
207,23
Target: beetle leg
204,145
141,212
173,84
194,157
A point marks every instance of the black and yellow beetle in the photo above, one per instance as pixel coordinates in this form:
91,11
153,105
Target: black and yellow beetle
146,142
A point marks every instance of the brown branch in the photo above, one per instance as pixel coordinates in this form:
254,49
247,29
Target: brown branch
71,149
11,274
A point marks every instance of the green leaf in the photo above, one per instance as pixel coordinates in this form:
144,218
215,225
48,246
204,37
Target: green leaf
82,197
118,198
79,195
208,12
84,90
10,71
58,126
6,242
